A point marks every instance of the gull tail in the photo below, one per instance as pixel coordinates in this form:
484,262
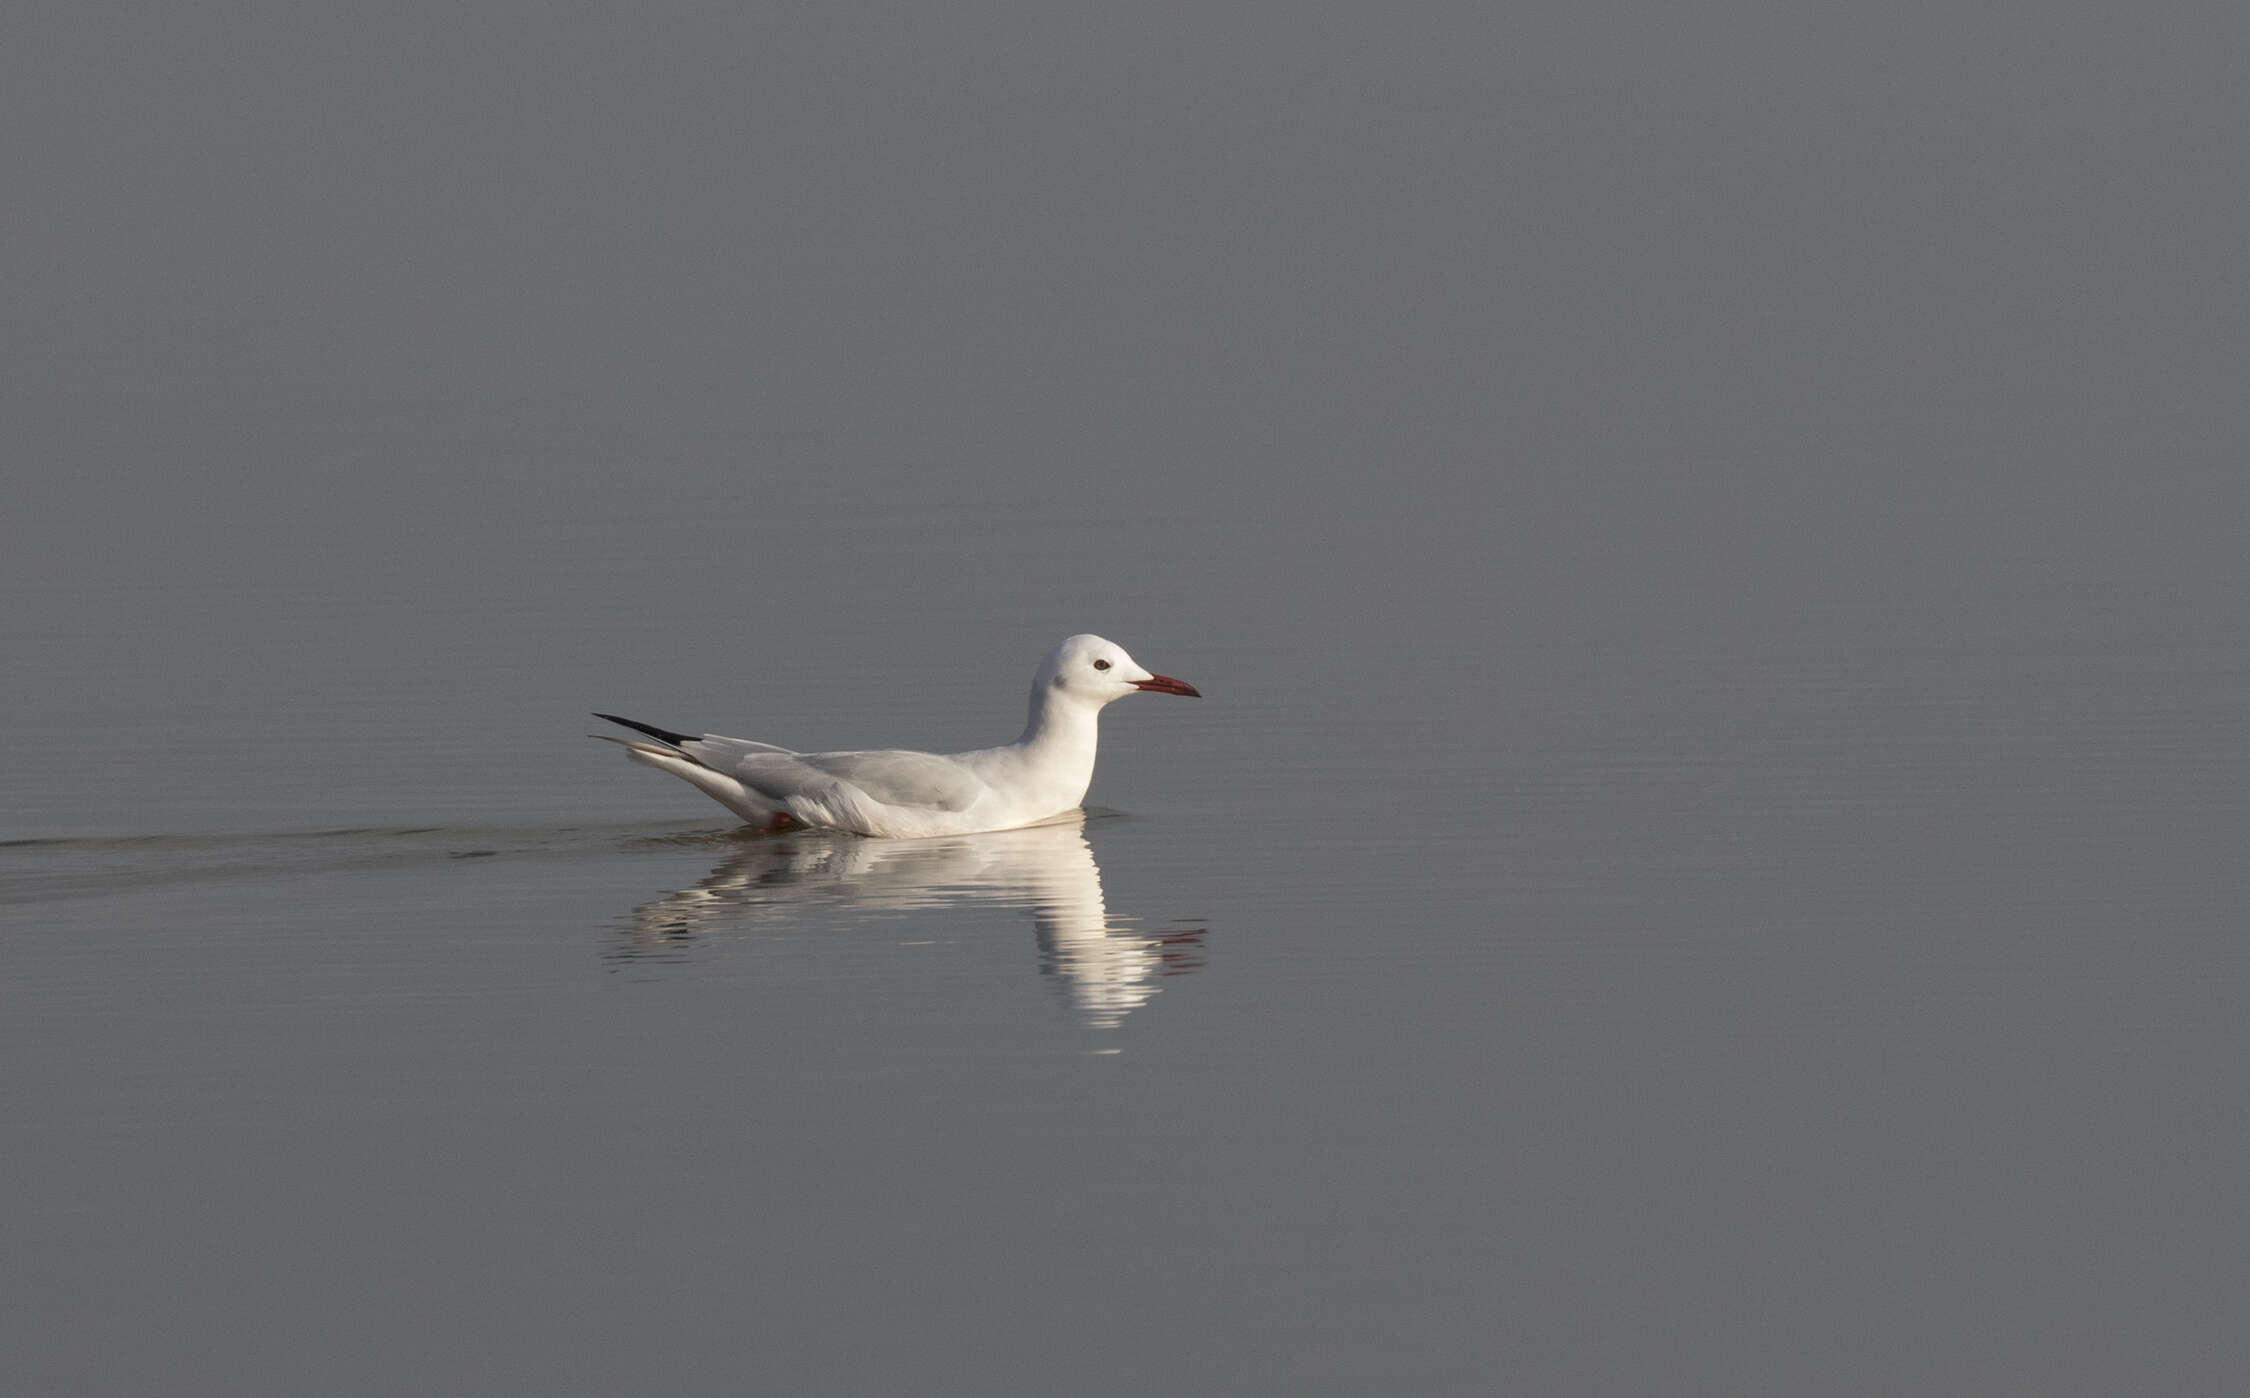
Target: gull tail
640,752
720,787
662,735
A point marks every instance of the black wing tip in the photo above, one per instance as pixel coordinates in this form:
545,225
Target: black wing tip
662,735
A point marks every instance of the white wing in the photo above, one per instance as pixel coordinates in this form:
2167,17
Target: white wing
897,777
720,754
889,777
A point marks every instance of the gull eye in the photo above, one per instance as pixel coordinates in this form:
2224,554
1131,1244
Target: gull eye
1101,665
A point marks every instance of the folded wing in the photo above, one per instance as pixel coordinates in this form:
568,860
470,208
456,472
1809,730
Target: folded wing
720,754
888,777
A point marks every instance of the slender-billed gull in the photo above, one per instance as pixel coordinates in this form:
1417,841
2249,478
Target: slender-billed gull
909,795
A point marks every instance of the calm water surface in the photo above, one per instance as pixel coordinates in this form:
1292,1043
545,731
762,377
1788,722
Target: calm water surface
1818,1012
1712,860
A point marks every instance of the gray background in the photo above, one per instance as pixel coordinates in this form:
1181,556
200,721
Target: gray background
1712,861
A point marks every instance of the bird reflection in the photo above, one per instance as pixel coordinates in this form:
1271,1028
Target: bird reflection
1104,965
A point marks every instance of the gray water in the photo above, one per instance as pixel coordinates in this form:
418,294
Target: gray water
1712,859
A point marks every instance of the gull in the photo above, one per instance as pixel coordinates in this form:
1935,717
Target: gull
898,794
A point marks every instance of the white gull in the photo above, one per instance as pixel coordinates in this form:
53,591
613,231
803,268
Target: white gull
910,795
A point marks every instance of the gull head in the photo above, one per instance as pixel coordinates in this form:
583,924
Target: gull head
1093,671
